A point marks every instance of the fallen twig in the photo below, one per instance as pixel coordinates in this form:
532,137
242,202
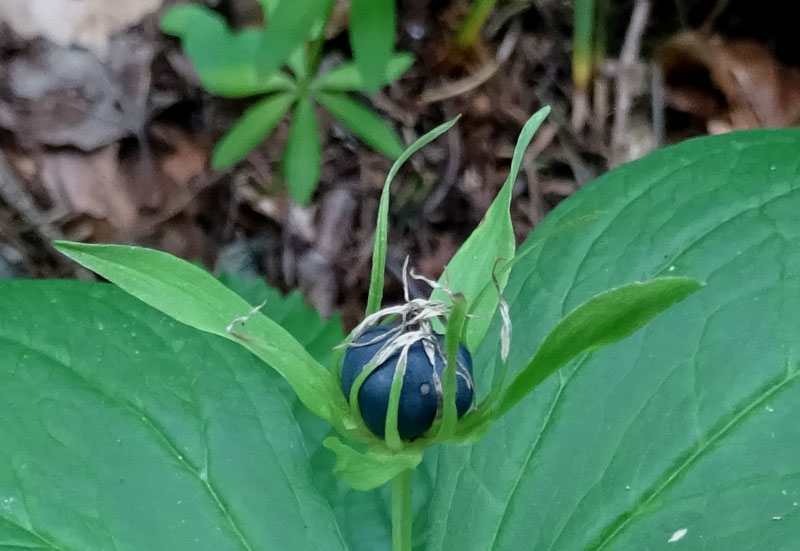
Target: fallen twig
457,87
624,89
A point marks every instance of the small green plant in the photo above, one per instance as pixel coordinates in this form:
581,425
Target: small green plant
251,63
124,429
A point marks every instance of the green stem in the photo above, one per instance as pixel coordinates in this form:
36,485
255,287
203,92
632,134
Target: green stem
453,336
472,25
582,43
582,61
401,511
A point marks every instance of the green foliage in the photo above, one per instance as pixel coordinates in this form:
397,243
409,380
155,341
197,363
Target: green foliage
582,58
603,320
363,122
124,429
287,29
372,37
194,297
303,157
347,76
250,63
251,129
223,59
471,270
291,312
471,28
382,224
688,424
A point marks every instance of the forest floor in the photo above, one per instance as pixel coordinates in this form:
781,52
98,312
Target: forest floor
110,141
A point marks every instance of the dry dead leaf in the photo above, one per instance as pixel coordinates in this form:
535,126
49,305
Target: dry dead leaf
91,184
730,85
87,23
60,96
188,158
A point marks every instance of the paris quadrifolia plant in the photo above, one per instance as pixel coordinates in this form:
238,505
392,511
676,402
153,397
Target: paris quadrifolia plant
403,380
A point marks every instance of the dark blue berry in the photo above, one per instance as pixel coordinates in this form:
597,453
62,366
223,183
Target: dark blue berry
418,397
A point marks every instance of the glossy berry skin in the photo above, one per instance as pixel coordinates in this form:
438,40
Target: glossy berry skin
418,397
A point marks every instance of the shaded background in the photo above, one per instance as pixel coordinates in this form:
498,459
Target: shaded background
106,133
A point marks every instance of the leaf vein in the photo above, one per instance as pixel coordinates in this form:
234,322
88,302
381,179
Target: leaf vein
727,425
523,468
146,419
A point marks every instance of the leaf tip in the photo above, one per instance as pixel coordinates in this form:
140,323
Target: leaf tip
65,247
220,158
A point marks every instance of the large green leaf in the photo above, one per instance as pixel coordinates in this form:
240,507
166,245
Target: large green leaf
687,430
123,429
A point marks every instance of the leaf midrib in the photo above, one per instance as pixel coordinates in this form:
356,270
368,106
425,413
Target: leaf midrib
161,436
566,303
727,425
47,544
535,447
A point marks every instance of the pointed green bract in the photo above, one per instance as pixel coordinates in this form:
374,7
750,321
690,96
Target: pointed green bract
194,297
453,336
382,224
318,336
600,321
370,469
471,269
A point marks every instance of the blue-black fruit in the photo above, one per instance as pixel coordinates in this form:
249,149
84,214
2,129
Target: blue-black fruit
418,397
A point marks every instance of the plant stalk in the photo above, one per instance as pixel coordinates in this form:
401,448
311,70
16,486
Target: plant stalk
402,515
472,25
582,60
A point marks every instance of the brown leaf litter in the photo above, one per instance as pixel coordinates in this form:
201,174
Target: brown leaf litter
729,84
